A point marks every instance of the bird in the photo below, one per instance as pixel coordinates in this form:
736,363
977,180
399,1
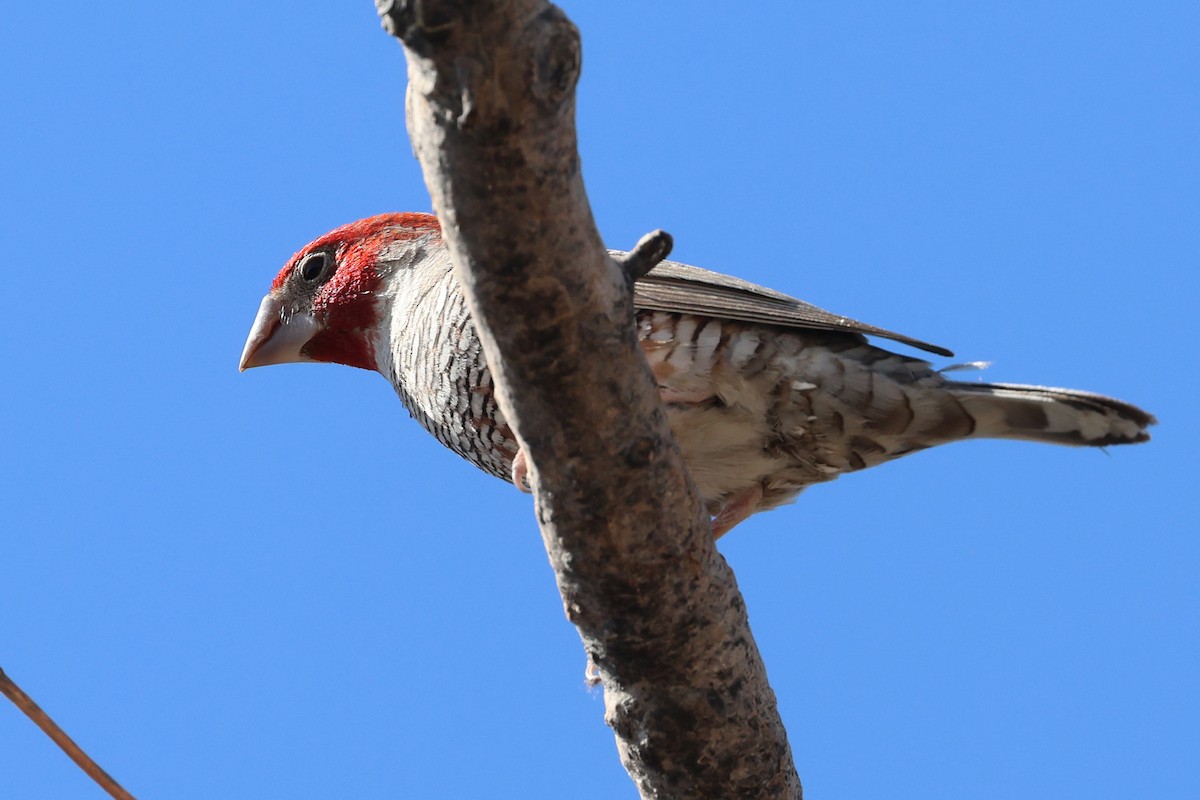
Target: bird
765,394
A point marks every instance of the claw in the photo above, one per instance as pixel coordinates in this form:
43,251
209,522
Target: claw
520,472
591,674
737,509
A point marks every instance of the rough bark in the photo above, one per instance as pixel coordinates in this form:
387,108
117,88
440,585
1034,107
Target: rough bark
491,108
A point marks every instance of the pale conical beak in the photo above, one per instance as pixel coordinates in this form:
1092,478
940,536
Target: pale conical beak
274,340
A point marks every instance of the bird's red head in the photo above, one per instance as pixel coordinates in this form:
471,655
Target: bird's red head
323,305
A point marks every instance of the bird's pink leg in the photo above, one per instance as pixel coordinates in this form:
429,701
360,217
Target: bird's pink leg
736,509
520,472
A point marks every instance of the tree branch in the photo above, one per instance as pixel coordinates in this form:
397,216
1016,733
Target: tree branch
29,708
491,107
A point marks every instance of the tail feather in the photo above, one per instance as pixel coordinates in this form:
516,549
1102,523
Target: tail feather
1045,414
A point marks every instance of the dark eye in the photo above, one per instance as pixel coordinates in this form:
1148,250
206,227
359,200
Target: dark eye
312,268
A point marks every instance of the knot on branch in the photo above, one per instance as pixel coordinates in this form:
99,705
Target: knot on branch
415,22
558,56
645,255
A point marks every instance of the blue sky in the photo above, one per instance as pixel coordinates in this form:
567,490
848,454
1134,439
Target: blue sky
276,585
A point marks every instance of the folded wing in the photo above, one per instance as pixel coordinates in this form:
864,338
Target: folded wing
680,288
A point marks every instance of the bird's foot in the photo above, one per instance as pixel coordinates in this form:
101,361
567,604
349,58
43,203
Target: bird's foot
520,472
591,674
736,509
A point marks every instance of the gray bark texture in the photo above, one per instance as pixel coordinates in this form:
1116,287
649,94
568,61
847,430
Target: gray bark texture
491,114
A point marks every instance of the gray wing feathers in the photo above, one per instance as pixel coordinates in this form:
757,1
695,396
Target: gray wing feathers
679,288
